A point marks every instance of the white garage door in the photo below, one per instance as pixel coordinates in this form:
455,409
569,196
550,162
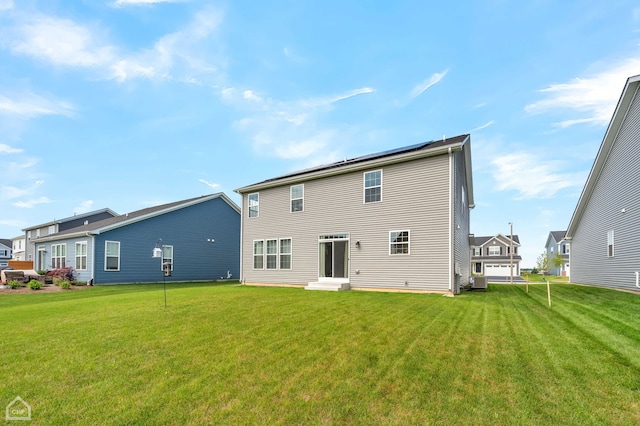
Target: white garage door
498,270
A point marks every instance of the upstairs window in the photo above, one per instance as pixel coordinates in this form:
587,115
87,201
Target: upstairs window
373,186
566,248
52,230
399,242
254,204
297,198
476,251
610,244
494,251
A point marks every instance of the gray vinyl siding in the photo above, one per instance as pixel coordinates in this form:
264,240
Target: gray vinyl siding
415,197
616,188
462,254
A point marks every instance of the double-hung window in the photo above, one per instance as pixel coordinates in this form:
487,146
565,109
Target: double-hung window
399,242
297,198
81,255
254,205
258,254
610,250
272,254
58,255
494,250
373,186
285,253
112,255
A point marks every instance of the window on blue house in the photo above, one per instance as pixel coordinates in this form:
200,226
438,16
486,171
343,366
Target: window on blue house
81,256
112,255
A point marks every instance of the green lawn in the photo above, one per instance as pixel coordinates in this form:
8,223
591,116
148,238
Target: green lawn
226,354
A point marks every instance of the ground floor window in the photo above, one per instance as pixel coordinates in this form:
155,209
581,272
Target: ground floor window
399,242
274,253
112,256
167,257
258,254
81,256
285,253
58,255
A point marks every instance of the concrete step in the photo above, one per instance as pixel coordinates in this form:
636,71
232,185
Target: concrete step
328,286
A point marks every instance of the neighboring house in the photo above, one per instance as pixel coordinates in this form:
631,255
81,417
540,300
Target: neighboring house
34,233
491,256
199,240
5,251
393,220
557,244
605,226
18,244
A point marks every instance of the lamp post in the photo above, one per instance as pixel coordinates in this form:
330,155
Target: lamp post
511,251
157,253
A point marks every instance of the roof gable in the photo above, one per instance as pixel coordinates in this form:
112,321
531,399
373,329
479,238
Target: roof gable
397,155
503,239
629,92
74,217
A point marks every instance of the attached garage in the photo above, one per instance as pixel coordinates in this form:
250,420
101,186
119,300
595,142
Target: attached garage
497,270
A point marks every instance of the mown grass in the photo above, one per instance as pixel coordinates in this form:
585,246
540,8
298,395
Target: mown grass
225,354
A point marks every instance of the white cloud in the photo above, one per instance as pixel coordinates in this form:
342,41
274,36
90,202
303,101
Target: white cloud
83,207
13,222
31,203
422,87
484,126
12,192
209,184
328,100
302,148
31,105
178,52
6,5
532,177
61,42
6,149
594,98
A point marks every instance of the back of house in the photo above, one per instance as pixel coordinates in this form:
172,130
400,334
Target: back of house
396,220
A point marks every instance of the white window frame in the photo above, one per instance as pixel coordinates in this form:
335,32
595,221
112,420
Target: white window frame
106,256
58,256
610,244
567,248
494,254
477,251
51,230
365,187
271,256
81,256
283,254
167,255
258,255
255,207
393,236
38,233
292,199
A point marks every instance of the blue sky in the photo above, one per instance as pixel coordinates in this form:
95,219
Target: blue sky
130,103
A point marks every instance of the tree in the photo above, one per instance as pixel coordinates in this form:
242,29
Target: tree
558,260
543,263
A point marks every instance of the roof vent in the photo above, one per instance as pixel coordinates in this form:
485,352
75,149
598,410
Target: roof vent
86,222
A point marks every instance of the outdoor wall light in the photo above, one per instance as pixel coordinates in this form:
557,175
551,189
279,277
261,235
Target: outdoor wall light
358,244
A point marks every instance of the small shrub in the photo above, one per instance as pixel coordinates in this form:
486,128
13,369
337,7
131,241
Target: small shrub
34,285
41,271
65,285
64,273
14,284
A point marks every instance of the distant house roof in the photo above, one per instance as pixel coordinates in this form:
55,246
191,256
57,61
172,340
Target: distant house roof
619,115
5,242
423,149
480,241
558,235
136,216
74,217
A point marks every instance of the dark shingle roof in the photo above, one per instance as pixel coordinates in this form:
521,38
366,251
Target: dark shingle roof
558,235
478,241
369,157
6,242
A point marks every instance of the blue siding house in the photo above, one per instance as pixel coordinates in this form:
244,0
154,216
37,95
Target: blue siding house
199,240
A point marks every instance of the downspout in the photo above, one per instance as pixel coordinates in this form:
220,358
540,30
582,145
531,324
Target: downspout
93,257
637,279
242,237
451,210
